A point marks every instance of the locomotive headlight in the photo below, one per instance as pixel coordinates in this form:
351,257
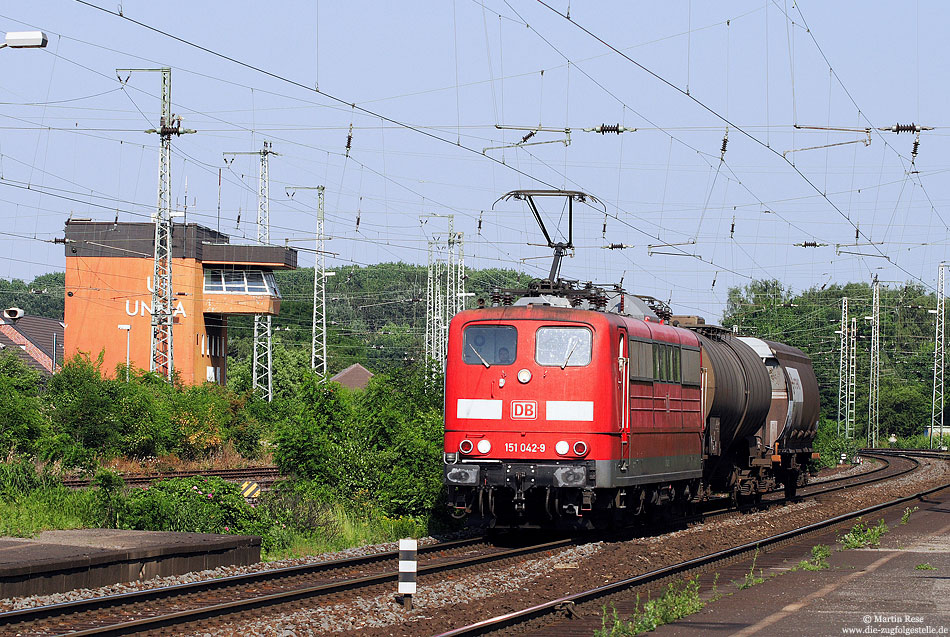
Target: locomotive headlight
466,446
580,448
562,447
524,375
484,446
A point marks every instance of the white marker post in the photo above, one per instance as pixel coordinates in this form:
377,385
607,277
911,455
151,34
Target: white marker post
407,571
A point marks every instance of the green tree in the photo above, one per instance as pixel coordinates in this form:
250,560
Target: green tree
43,296
21,410
809,320
82,405
904,408
308,441
399,425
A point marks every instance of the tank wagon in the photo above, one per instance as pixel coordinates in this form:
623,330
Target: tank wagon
577,407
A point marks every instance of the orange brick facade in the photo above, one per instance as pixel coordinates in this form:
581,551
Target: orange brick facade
109,281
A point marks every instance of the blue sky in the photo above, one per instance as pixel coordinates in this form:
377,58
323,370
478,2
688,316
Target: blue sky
72,140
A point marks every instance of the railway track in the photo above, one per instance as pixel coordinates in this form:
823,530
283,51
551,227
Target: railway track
203,601
266,475
554,616
723,506
224,599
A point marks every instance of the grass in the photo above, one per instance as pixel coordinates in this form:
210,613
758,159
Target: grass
48,509
30,504
819,559
225,457
750,578
347,529
925,567
861,536
677,602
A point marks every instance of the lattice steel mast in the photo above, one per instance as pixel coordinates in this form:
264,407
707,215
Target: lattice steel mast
318,344
843,370
262,376
852,377
936,413
875,374
162,350
445,288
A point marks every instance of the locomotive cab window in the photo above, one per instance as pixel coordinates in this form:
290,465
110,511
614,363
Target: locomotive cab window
489,345
563,346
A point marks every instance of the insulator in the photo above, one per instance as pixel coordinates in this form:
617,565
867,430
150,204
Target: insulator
616,246
732,229
507,299
495,297
905,128
349,140
528,136
913,153
603,129
603,231
725,142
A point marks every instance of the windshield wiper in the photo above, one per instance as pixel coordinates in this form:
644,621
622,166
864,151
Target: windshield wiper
480,357
569,352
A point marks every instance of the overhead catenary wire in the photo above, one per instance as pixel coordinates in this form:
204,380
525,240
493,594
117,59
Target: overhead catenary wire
728,122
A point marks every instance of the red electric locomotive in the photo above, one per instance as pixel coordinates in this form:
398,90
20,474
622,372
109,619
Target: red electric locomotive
581,407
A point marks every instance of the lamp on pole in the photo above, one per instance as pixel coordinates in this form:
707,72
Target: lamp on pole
128,333
24,40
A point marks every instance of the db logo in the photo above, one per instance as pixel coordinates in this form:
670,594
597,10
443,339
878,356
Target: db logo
524,409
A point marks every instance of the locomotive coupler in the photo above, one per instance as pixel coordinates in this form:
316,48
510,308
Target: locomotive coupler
519,500
587,500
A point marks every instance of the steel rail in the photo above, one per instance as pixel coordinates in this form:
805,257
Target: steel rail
98,603
258,601
266,473
569,601
819,491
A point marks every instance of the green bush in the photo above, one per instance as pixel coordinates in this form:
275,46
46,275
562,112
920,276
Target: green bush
197,505
861,535
93,416
920,441
109,487
83,405
211,505
830,445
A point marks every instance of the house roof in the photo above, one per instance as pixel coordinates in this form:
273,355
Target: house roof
353,377
188,241
6,345
39,331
